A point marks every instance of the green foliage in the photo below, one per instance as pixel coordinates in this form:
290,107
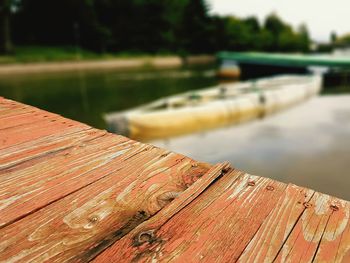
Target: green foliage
284,38
151,26
343,40
6,46
248,35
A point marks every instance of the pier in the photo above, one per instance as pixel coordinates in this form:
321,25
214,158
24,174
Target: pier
286,60
70,192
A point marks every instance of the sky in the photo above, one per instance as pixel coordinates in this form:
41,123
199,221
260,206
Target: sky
321,16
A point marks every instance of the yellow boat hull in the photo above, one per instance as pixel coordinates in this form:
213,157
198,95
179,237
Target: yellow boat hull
144,123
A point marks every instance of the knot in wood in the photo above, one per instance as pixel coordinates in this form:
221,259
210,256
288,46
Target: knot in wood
307,205
166,198
251,183
270,188
334,207
225,170
146,236
93,219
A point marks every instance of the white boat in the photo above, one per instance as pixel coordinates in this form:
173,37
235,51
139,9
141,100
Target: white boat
213,107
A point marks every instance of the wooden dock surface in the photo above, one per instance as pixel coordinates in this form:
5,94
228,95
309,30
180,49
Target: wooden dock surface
70,192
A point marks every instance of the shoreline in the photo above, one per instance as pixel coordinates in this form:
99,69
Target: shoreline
118,63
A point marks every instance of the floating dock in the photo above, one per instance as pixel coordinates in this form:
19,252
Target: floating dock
286,60
70,192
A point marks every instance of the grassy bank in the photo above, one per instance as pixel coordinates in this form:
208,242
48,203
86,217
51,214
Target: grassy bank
30,54
27,60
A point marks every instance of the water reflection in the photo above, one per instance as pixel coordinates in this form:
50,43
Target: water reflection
308,145
86,95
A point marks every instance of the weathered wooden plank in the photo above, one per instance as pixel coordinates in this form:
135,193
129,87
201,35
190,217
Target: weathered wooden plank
178,204
32,185
16,114
29,117
72,193
15,111
302,243
216,226
335,242
21,123
267,242
11,108
14,136
88,220
45,146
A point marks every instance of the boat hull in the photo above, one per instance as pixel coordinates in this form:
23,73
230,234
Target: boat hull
146,125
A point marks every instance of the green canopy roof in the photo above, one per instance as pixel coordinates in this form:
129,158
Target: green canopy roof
292,60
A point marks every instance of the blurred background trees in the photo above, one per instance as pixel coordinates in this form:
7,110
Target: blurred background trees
173,26
5,26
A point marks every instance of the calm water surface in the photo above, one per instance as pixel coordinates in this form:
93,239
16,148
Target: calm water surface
86,95
308,145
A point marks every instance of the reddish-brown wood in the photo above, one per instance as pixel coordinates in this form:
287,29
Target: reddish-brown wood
26,118
303,242
335,242
268,241
31,185
33,131
45,146
10,108
69,192
85,222
216,226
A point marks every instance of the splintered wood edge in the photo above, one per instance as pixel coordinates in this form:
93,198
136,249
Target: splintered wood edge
164,215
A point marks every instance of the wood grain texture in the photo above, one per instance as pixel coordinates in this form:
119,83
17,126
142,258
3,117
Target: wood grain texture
268,241
69,192
216,226
40,124
304,241
26,118
34,184
335,242
46,146
10,110
14,135
85,222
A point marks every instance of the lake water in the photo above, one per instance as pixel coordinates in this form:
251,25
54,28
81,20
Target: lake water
308,145
86,95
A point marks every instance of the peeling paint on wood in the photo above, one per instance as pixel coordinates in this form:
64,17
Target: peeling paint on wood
268,241
195,231
72,193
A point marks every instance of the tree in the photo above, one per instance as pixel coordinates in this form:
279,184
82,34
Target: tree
343,40
58,22
333,37
284,38
182,26
195,27
304,38
253,24
5,28
275,26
